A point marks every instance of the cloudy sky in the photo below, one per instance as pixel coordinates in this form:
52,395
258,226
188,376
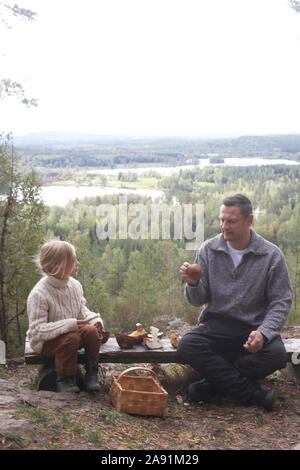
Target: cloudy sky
155,67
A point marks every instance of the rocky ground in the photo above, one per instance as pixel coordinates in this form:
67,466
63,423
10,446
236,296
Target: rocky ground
32,420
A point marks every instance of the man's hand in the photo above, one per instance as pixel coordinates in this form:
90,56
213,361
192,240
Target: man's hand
254,342
187,274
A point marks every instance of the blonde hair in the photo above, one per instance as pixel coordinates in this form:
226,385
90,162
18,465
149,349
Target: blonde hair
56,256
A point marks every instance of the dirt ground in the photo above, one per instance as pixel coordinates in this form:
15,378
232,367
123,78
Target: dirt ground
90,422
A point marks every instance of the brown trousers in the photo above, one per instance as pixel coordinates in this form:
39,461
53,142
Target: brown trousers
64,348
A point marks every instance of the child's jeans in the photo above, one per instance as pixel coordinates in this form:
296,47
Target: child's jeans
64,348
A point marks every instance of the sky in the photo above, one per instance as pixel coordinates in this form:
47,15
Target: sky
154,67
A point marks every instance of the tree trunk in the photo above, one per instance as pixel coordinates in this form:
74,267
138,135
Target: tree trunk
175,376
296,281
3,318
3,312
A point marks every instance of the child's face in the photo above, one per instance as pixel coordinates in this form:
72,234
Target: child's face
73,272
75,268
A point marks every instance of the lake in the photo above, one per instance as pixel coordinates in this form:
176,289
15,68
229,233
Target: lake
60,195
202,163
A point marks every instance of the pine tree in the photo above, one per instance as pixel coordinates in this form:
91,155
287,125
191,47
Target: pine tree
98,299
139,299
21,232
116,272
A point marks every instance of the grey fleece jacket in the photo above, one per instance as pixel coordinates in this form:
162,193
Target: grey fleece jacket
257,294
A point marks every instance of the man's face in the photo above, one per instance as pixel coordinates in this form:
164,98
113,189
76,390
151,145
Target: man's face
234,225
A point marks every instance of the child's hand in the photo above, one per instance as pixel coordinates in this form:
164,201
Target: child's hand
104,335
82,322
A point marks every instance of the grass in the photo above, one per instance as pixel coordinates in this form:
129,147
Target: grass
53,426
94,437
221,425
141,182
18,440
150,182
260,420
108,416
37,414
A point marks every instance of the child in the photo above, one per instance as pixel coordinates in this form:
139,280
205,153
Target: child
59,321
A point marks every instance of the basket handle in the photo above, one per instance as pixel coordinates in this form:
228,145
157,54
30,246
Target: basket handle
138,368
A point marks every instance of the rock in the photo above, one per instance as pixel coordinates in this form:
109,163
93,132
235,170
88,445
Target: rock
6,386
52,400
8,395
178,326
9,400
10,425
15,362
291,373
175,324
12,397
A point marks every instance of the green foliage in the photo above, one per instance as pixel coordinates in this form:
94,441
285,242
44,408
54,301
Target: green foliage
9,87
94,437
18,440
21,232
137,280
130,280
16,10
116,272
57,151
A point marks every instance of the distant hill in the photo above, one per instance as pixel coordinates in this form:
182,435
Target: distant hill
40,138
283,143
65,150
290,142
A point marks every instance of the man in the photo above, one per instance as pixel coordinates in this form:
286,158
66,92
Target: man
247,293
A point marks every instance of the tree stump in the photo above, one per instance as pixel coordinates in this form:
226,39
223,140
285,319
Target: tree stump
174,376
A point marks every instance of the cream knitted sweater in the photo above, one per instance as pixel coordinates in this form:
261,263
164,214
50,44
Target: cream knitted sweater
53,308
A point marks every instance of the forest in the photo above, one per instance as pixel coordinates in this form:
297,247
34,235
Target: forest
55,150
133,280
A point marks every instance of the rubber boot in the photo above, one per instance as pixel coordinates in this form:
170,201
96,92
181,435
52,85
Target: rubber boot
265,397
66,383
200,391
91,382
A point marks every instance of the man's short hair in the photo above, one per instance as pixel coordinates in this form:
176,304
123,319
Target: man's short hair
241,201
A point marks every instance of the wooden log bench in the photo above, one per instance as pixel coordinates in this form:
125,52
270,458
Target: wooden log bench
111,352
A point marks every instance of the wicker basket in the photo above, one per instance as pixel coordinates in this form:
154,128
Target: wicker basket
139,395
